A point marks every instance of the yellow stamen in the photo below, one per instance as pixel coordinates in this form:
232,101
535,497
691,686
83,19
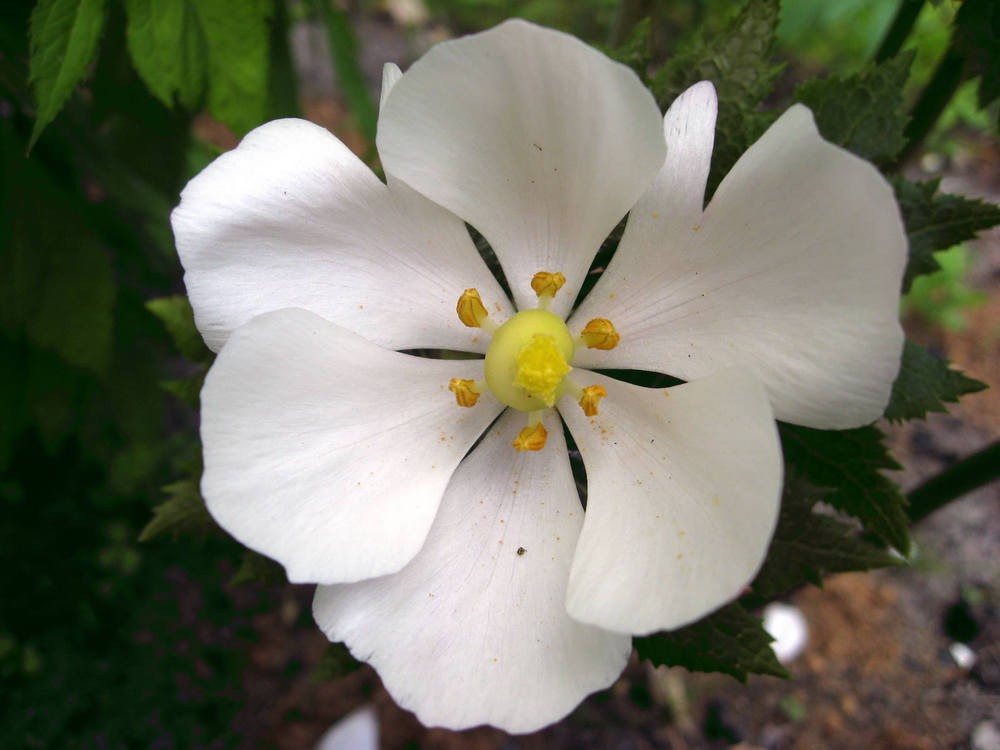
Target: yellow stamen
531,438
466,392
473,312
600,334
546,285
591,397
541,366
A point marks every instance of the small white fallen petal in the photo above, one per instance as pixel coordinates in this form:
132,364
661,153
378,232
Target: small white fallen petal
537,140
683,491
794,271
964,656
788,626
309,432
356,731
474,630
291,218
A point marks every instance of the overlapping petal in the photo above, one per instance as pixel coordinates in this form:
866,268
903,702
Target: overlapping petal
326,452
793,270
474,630
291,218
537,140
683,493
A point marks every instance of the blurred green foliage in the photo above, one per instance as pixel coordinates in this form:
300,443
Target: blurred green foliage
106,641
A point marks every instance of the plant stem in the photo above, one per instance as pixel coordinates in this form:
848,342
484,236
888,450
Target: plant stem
902,24
973,472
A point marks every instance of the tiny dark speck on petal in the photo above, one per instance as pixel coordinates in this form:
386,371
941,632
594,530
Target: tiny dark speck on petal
521,551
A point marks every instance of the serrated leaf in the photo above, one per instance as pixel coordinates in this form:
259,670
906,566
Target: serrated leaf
850,464
924,384
936,221
238,46
255,568
336,662
64,37
737,63
178,318
808,546
730,640
183,512
863,112
168,49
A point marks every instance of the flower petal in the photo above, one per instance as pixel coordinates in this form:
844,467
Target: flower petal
683,493
539,141
794,270
326,452
474,630
291,218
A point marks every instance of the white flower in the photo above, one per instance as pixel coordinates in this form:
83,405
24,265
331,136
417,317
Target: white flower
477,587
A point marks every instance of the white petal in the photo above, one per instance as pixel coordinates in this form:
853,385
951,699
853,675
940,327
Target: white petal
472,632
683,493
794,270
356,731
326,452
291,218
537,140
390,77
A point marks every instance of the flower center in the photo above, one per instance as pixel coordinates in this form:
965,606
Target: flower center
528,360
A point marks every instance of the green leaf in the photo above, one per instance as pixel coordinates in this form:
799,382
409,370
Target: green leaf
737,63
168,48
863,112
936,221
64,37
183,512
255,568
731,641
56,280
850,463
335,663
187,390
808,546
178,318
635,50
183,47
238,45
924,384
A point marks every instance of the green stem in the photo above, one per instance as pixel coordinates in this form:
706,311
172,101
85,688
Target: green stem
344,54
969,474
947,78
901,27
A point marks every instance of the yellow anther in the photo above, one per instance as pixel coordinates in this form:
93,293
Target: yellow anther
541,366
531,438
471,310
591,397
544,282
464,390
600,334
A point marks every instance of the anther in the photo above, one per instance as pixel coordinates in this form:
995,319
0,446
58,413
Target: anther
546,285
531,438
600,334
466,392
472,311
591,397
